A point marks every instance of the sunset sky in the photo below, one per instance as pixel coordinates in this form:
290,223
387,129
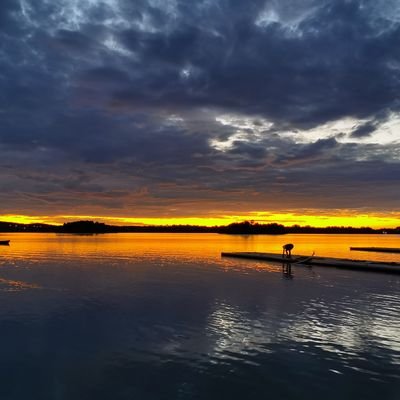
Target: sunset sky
200,111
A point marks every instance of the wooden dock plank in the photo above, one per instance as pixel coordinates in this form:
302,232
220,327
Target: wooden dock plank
377,249
364,265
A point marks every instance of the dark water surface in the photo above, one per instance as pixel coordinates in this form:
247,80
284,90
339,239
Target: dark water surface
161,316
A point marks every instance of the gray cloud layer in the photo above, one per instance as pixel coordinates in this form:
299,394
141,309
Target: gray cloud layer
113,106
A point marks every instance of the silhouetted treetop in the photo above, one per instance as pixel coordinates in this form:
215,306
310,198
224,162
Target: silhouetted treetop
252,228
85,227
240,228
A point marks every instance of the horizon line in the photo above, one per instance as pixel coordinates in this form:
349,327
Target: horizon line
305,217
142,225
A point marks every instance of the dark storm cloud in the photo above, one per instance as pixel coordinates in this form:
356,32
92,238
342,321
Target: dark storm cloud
363,130
121,97
8,9
316,152
335,64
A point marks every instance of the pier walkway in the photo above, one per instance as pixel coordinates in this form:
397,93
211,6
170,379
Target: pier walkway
361,265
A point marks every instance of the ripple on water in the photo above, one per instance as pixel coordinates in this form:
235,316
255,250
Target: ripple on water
148,319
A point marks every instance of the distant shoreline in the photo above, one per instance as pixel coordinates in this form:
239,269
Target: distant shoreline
241,228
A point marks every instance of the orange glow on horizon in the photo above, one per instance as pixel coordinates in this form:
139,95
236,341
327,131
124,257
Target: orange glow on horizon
314,218
26,219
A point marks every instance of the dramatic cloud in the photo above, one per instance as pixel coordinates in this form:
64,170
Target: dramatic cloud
180,107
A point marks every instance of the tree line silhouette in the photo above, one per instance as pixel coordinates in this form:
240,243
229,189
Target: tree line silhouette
237,228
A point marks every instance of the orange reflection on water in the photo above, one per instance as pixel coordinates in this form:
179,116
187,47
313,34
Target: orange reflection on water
36,246
193,247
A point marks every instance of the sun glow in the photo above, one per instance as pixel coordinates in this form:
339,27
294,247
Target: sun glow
26,219
326,218
314,218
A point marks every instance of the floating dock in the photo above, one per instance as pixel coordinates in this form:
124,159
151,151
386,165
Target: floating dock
377,249
361,265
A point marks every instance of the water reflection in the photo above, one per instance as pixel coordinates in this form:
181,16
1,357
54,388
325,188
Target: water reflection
10,285
165,317
287,270
193,246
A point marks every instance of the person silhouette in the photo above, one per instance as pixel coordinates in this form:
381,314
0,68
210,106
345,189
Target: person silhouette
287,250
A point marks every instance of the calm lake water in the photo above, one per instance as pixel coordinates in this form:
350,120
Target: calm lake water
163,316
